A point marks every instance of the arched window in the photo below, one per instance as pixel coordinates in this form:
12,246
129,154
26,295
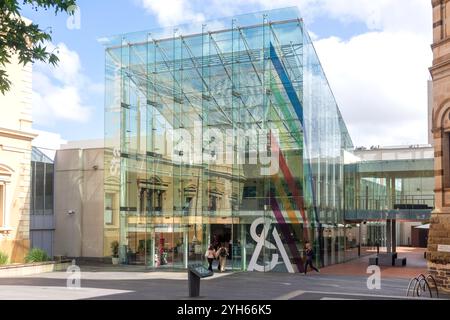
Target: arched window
446,149
5,179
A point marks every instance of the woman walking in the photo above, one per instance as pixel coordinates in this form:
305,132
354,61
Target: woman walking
210,255
309,258
222,254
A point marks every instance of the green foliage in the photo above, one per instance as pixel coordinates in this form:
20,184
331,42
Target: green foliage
115,249
37,255
26,40
3,259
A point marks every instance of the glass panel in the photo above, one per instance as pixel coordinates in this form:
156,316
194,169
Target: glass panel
40,189
33,188
49,189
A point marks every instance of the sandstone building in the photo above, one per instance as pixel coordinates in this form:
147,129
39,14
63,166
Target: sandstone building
439,241
15,155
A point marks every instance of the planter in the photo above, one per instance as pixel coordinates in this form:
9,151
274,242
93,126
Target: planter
115,261
19,270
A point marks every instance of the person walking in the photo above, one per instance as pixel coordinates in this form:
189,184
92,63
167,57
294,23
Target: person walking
222,254
210,255
309,258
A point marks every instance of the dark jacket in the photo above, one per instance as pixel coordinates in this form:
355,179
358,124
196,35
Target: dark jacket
309,254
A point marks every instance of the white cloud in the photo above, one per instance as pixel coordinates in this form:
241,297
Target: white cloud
379,81
48,142
172,12
378,78
60,93
392,15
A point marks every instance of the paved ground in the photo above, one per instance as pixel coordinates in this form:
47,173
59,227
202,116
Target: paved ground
340,282
236,286
416,264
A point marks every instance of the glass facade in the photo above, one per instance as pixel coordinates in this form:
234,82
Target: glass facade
42,224
225,133
384,193
42,171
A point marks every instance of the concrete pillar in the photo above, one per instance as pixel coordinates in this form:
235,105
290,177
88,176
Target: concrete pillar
394,235
152,250
388,235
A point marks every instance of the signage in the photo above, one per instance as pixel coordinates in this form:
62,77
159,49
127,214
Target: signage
443,248
200,271
262,243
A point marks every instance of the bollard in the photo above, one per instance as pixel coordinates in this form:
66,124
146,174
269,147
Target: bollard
194,284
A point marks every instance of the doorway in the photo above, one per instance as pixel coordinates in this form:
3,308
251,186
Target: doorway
221,233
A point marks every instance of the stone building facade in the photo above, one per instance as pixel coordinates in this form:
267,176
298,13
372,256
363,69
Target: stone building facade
15,156
438,254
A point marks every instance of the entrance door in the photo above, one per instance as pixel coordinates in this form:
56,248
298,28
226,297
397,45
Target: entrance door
137,240
221,233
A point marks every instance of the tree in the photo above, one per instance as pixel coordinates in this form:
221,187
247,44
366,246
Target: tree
25,39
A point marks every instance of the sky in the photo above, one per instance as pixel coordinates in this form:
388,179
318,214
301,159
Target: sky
375,54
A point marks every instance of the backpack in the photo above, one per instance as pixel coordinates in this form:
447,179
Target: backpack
223,252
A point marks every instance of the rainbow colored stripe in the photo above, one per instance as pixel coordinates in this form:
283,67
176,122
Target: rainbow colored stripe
294,216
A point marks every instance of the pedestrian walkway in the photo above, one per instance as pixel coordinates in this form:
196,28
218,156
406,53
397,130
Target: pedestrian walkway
416,264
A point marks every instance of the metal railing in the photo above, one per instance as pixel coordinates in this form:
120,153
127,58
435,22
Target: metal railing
420,285
384,203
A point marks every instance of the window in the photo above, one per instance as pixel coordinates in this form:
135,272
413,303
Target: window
446,159
48,189
41,202
212,203
109,210
187,205
250,192
5,179
2,205
33,188
156,197
39,188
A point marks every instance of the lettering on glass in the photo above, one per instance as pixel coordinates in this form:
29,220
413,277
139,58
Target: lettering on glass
262,242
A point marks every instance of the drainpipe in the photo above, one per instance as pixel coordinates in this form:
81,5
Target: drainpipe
81,202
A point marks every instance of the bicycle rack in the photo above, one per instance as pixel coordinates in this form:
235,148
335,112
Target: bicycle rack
420,285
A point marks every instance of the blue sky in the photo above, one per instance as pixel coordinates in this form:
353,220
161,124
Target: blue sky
69,101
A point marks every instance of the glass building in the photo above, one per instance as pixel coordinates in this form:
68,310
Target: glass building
226,132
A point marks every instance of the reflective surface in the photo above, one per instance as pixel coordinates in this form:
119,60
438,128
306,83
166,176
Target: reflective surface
226,134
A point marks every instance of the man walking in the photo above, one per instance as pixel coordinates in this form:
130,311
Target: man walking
309,258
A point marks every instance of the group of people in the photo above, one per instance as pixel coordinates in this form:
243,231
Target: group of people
221,253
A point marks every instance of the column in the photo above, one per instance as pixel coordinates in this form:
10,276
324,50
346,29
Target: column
389,235
186,245
243,247
394,235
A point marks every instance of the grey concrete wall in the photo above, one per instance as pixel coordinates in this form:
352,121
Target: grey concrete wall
79,189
